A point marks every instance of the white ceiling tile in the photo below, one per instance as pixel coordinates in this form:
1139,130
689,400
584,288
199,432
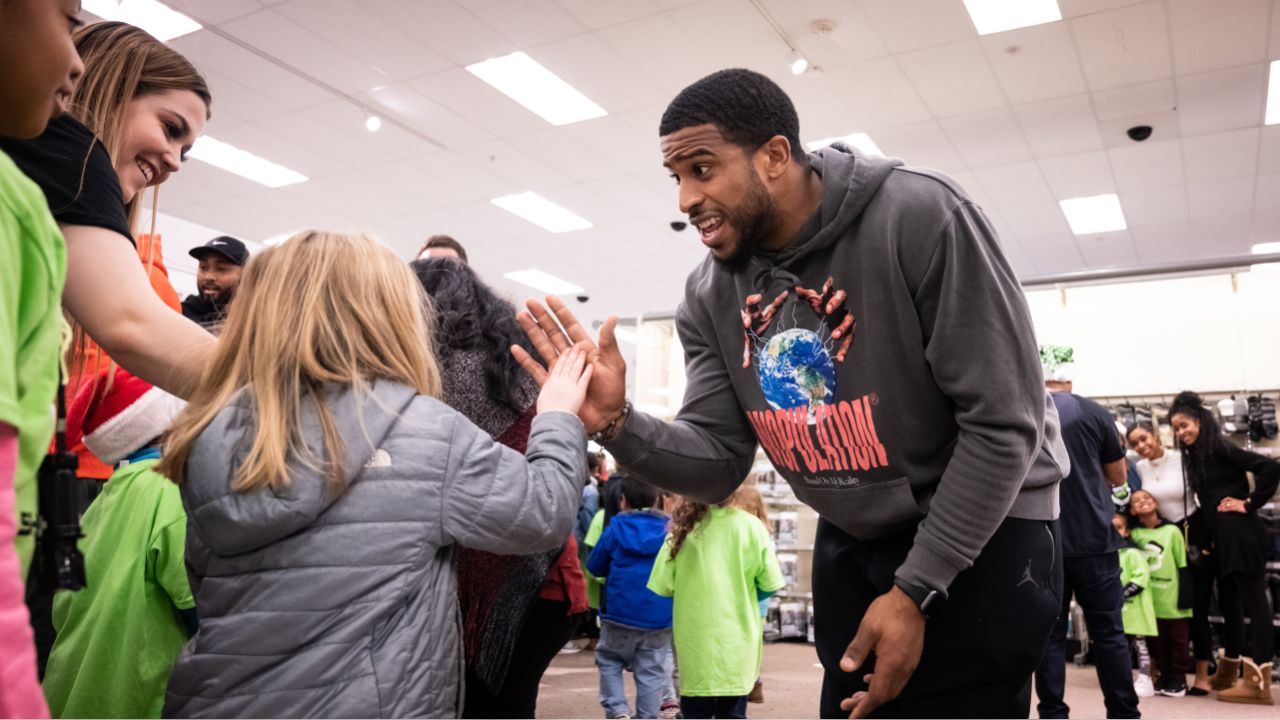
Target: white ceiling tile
348,120
279,149
987,138
1076,8
1135,100
953,79
631,149
661,50
1222,100
1036,221
1035,63
1016,184
1224,236
561,152
213,54
1113,249
207,13
1274,50
304,133
1164,126
1214,200
854,38
305,50
378,42
1053,254
476,177
1212,34
742,37
1080,175
1265,228
526,22
1126,46
1269,153
1061,126
596,14
477,102
505,160
1155,206
426,116
922,145
433,191
913,24
878,94
1221,155
1021,261
1170,242
445,26
1139,166
1267,198
239,101
608,79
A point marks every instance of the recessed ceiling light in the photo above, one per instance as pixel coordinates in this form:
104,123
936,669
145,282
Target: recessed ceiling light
1266,248
526,81
797,62
862,141
1094,214
546,282
372,123
160,20
993,16
243,163
541,212
1273,94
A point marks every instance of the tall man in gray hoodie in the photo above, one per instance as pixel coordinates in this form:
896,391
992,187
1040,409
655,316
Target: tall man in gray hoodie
857,319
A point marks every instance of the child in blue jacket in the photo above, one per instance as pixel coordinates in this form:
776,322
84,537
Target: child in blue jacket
635,627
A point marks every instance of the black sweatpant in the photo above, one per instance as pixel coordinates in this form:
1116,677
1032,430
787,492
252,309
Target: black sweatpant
547,627
1243,595
1202,597
980,647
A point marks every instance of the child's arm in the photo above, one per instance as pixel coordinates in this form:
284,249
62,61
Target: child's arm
20,694
601,556
168,551
662,578
769,573
501,502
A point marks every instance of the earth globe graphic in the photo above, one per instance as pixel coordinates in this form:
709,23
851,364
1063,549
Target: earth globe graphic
796,370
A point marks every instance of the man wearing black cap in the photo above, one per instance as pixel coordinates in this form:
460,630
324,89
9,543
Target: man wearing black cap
222,261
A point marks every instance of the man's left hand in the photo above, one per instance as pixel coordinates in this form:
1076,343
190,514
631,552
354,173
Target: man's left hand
893,629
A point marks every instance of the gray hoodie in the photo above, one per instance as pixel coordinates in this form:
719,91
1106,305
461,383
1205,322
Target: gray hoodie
934,416
315,604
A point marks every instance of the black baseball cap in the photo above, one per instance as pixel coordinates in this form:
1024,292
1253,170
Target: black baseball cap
226,246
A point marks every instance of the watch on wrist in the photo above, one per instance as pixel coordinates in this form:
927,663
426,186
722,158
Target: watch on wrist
610,431
926,599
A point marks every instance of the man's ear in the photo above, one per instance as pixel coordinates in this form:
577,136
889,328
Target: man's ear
773,157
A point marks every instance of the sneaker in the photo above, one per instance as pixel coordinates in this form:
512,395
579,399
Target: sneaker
1174,687
1143,687
670,710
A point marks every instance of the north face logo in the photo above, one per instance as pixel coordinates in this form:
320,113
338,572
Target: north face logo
381,458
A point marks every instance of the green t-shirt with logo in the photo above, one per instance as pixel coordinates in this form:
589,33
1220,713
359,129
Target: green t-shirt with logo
713,583
1166,552
1139,613
119,636
33,268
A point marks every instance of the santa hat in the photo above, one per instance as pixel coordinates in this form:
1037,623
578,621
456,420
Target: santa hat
119,414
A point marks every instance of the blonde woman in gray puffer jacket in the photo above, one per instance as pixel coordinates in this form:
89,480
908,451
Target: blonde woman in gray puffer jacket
326,489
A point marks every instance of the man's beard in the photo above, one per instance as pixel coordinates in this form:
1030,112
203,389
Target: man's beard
756,219
221,298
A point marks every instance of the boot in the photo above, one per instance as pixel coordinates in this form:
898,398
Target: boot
757,693
1254,688
1225,676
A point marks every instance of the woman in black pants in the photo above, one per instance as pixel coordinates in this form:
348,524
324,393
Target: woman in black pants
1216,471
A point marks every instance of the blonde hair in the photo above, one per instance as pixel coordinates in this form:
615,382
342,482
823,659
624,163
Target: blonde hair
121,63
748,499
319,308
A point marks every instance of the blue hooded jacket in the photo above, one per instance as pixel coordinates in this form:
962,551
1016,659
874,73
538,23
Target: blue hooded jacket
624,557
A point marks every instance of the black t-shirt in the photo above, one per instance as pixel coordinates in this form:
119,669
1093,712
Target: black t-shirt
75,173
1090,435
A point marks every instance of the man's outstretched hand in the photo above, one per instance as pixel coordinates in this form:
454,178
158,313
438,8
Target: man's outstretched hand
552,336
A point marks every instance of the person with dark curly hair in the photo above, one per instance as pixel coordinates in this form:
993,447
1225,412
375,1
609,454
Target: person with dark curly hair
517,611
1215,470
857,319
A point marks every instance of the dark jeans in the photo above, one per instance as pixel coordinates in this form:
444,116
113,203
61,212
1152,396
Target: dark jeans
980,646
1239,595
1095,581
713,707
547,627
1169,648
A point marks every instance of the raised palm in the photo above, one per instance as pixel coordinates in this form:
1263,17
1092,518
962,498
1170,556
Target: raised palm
552,335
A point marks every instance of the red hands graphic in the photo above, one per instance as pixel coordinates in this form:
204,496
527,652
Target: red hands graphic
755,321
831,303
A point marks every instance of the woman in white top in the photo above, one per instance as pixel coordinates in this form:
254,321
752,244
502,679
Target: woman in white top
1161,472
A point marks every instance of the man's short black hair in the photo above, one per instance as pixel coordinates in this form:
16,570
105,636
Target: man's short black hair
638,493
747,107
444,241
594,460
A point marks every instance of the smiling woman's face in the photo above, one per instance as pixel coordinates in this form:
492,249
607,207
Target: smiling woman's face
159,129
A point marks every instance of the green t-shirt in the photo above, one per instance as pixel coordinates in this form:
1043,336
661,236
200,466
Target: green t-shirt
594,531
1166,552
1138,614
33,268
119,636
713,583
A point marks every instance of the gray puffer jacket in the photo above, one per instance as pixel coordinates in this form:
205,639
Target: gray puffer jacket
313,604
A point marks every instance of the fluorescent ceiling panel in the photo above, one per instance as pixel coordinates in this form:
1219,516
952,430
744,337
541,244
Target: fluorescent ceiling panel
524,80
156,18
1094,214
1266,248
993,16
541,212
546,282
1273,94
243,163
861,141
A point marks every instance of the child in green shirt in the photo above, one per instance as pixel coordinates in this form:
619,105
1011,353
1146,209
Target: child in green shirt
1138,614
1166,553
118,638
716,564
